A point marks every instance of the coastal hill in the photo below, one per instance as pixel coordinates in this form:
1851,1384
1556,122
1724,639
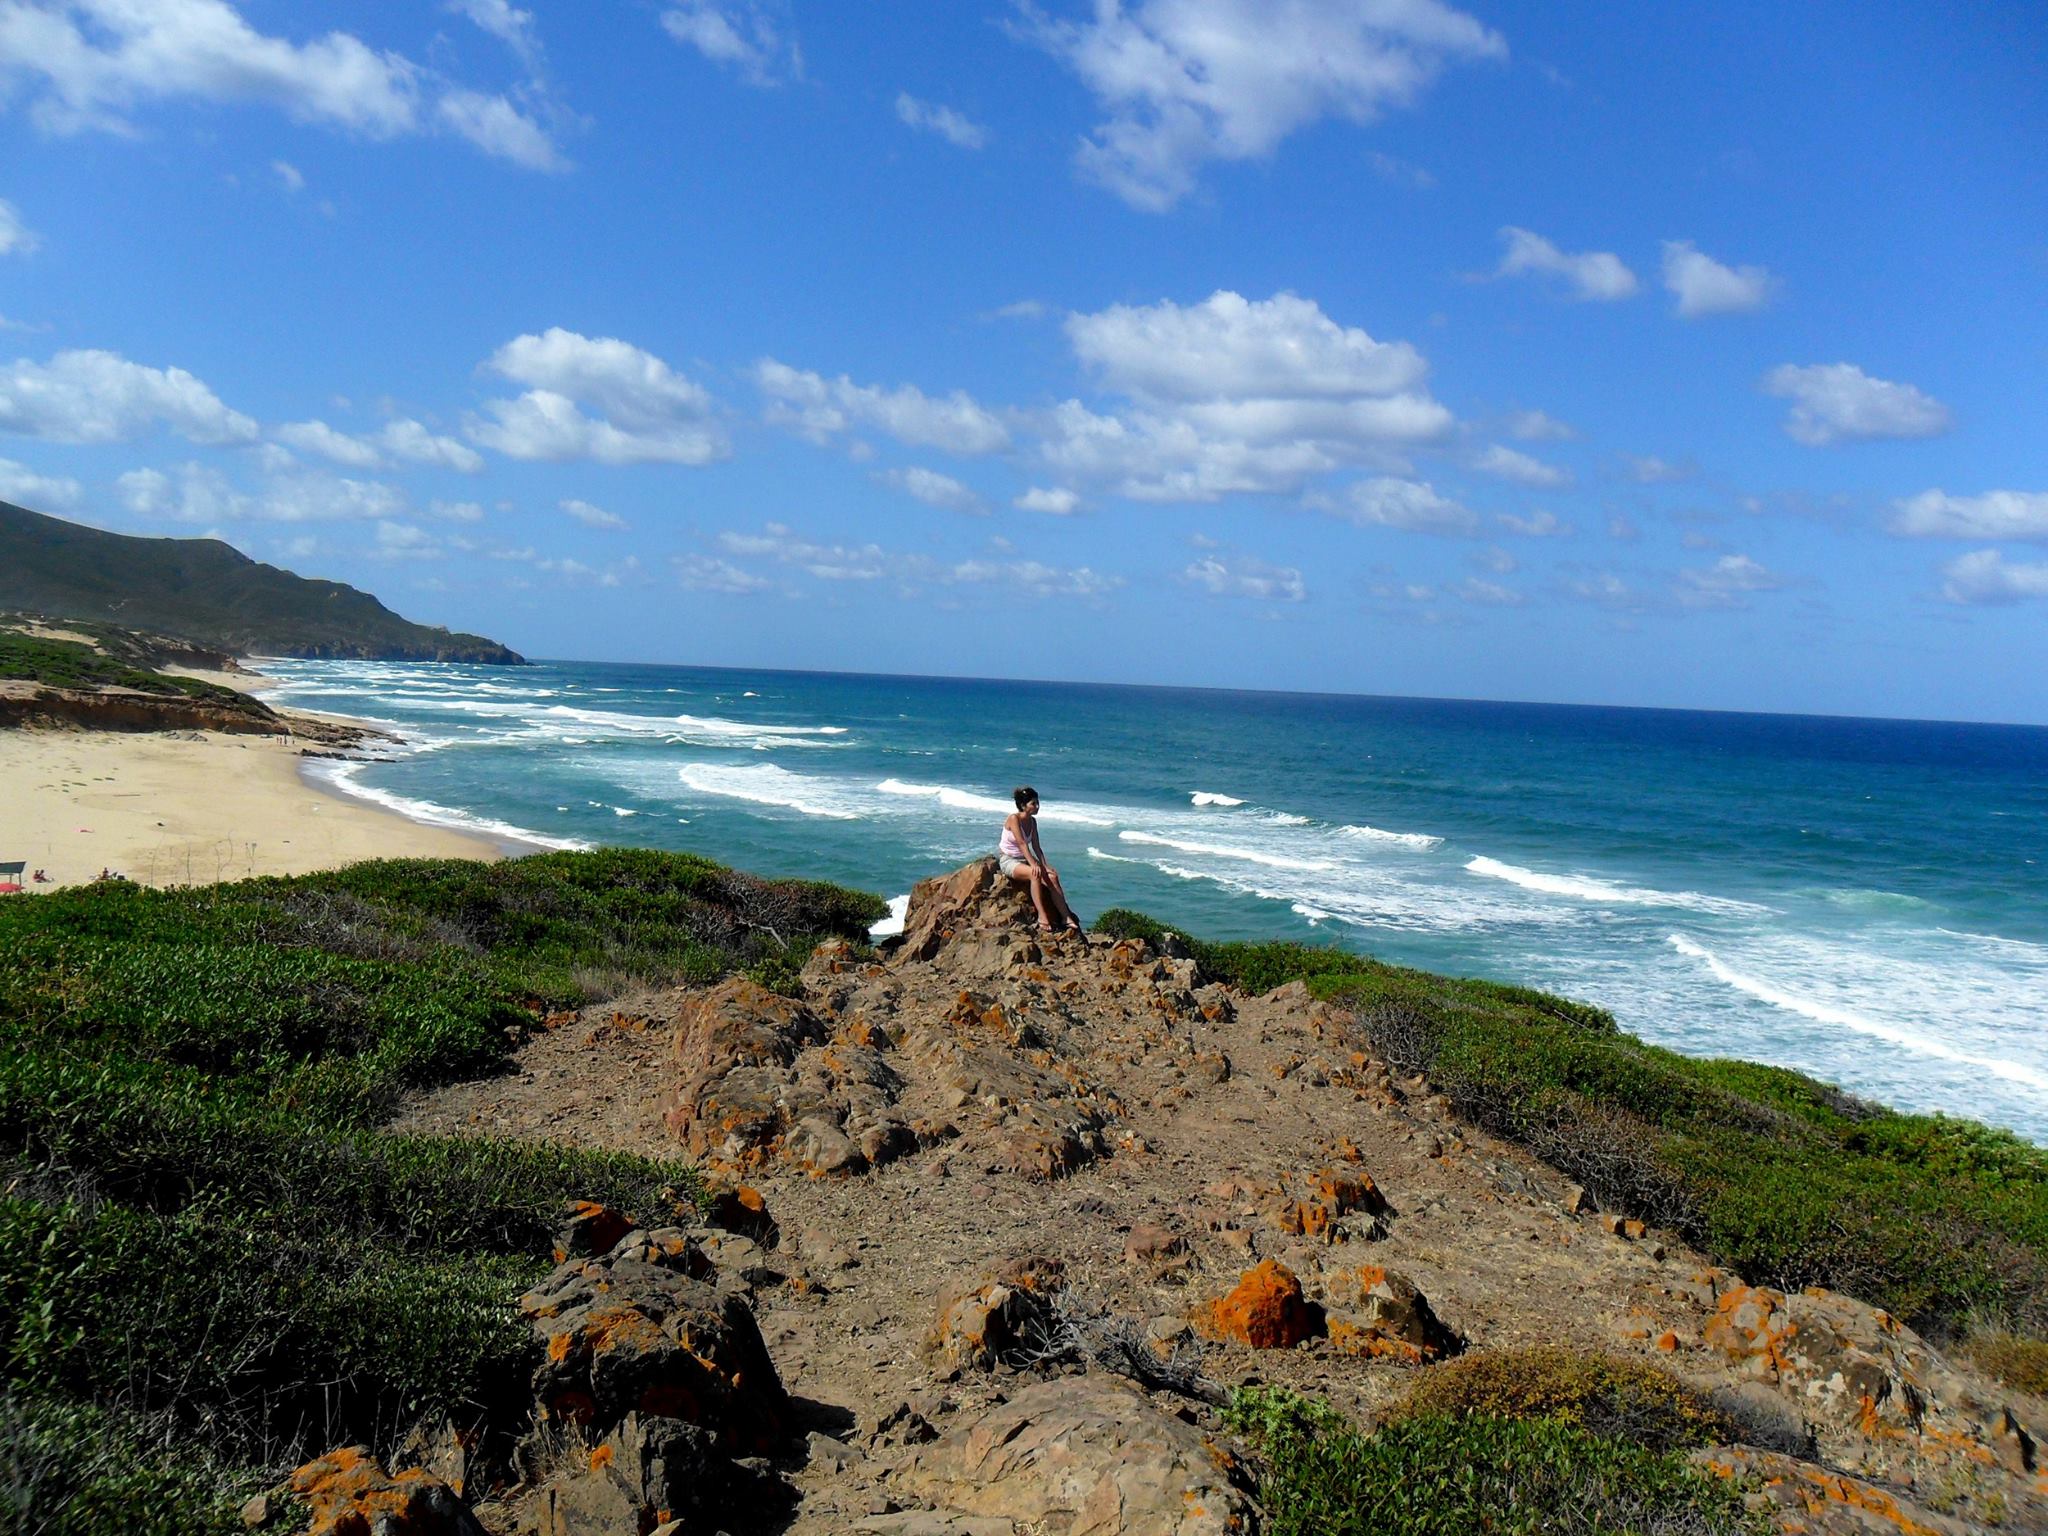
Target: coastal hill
208,593
619,1191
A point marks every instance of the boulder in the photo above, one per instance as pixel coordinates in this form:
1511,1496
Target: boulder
646,1331
641,1475
1883,1400
1265,1310
973,898
989,1319
1802,1499
1083,1456
734,1047
1381,1315
589,1229
350,1494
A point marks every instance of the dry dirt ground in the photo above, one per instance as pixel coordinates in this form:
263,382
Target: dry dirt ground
991,1061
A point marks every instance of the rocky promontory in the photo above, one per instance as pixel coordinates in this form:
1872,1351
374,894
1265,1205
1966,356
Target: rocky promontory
1001,1220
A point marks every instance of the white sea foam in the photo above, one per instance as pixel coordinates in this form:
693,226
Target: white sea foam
344,776
1227,851
1767,991
968,800
1421,842
890,926
1589,888
1313,914
2017,949
620,810
767,784
1204,797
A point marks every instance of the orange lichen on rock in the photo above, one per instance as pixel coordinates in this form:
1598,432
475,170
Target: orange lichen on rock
1266,1310
350,1494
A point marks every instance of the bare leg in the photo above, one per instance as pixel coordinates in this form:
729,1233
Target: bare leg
1028,875
1059,901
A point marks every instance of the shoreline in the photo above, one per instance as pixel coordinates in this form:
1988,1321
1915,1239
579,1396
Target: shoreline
198,807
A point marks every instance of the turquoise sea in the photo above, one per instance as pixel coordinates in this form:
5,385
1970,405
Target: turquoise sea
1865,900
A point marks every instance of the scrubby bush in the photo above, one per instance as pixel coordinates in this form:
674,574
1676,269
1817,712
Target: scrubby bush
1787,1180
69,1469
2018,1362
1433,1475
1602,1394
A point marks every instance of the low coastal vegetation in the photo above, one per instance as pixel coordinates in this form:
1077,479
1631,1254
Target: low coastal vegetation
69,664
1540,1447
1784,1179
205,1237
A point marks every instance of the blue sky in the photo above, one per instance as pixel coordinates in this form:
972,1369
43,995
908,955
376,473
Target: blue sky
1600,353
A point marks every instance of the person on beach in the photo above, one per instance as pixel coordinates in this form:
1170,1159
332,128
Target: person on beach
1022,859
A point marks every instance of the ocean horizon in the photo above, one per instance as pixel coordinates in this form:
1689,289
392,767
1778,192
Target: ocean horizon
1864,899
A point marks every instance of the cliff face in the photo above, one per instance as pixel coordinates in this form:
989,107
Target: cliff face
128,709
209,595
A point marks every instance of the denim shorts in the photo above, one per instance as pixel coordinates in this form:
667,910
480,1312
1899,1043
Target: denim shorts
1009,866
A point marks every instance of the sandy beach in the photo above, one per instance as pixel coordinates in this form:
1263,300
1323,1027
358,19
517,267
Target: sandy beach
188,808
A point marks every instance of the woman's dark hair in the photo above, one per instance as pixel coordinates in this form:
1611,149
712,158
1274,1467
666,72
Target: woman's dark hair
1023,794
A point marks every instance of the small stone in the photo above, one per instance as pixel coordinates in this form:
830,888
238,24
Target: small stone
256,1513
824,1450
1576,1201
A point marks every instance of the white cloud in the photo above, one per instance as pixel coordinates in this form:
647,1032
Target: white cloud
1506,464
1704,287
24,487
1413,505
1982,576
318,437
1539,427
1030,576
504,21
1648,469
818,407
1054,501
646,412
930,117
92,63
933,489
1604,589
101,397
497,127
289,176
1994,515
1232,395
1724,583
1839,402
410,441
592,516
1246,577
15,236
1599,275
828,562
406,541
1401,172
458,511
737,33
1539,525
1495,559
1228,347
701,573
1021,309
1622,527
1489,594
200,494
1184,82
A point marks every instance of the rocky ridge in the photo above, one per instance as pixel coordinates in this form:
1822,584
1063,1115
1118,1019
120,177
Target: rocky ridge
1003,1217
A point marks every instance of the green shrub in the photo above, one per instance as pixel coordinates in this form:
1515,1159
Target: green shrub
69,1469
1452,1476
67,664
1602,1394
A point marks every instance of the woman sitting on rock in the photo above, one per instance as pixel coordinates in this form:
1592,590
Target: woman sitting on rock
1022,859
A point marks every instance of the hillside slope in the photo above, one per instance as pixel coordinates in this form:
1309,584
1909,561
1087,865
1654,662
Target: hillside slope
206,592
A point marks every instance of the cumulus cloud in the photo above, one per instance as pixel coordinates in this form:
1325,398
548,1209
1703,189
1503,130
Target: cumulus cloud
410,442
15,236
1983,577
1243,576
1507,464
506,22
406,541
1401,172
1539,427
458,511
1648,469
1703,286
933,489
739,34
24,487
1235,395
1839,403
90,64
405,440
1412,505
870,562
702,573
1030,576
828,562
1488,594
1726,582
198,493
1596,275
1538,525
592,516
319,438
930,117
819,407
644,411
1184,82
101,397
1993,515
1053,501
289,176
